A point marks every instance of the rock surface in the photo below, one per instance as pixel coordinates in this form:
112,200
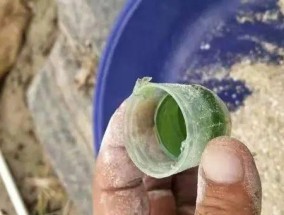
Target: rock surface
60,97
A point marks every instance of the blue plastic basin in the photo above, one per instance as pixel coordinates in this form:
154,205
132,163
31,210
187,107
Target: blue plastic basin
184,41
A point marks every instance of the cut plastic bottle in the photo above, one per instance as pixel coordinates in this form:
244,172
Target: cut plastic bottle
168,126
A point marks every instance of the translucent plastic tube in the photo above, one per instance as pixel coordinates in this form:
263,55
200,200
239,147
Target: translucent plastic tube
168,126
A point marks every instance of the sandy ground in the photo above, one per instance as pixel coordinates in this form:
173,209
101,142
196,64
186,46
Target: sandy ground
260,125
6,206
37,183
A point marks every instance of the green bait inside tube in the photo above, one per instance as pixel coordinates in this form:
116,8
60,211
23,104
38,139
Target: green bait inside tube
170,126
167,126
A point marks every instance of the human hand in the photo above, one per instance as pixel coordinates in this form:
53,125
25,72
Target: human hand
226,182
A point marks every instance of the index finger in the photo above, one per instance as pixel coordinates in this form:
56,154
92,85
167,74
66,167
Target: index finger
118,183
119,186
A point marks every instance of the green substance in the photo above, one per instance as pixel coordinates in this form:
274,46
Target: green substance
217,122
170,127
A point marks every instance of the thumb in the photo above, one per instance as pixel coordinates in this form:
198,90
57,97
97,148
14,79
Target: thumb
228,181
